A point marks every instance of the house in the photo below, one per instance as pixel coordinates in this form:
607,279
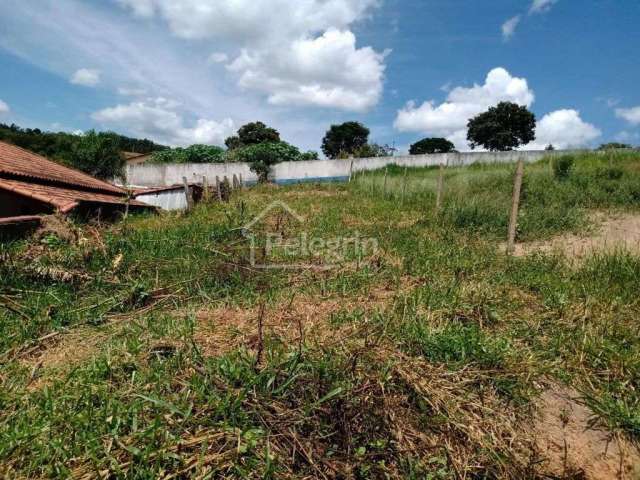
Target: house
31,185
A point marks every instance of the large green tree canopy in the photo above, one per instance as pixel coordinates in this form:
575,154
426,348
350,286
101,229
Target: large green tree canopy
431,145
252,134
344,139
503,127
99,155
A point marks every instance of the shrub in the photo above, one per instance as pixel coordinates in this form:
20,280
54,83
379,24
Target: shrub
562,167
610,173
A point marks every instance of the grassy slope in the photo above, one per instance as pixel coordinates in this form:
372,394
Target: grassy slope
422,358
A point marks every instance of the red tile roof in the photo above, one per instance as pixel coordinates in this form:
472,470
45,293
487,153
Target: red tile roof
18,162
63,199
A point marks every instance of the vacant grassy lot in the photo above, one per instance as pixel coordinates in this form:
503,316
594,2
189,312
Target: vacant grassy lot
154,349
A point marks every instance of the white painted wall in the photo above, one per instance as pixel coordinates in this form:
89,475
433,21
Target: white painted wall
171,174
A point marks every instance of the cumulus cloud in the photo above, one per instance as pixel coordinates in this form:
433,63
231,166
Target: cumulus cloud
86,77
541,6
327,71
160,120
307,57
449,119
4,108
564,129
509,27
631,115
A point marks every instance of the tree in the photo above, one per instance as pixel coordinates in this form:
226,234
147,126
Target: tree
614,146
192,154
344,139
550,148
262,156
371,150
309,155
252,134
431,145
98,154
503,127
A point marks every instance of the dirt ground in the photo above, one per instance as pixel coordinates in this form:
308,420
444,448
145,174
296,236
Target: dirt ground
573,447
611,233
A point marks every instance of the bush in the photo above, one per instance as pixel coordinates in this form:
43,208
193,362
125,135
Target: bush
562,167
610,173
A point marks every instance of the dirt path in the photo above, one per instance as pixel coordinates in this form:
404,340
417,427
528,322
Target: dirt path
612,233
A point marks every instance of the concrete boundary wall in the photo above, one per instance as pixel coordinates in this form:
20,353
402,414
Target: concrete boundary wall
148,175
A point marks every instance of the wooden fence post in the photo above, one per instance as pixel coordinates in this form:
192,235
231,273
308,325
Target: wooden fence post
187,193
205,188
351,171
218,190
404,184
384,186
515,206
235,181
240,180
440,188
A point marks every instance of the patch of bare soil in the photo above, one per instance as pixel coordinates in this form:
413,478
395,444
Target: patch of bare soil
61,352
299,319
619,232
574,447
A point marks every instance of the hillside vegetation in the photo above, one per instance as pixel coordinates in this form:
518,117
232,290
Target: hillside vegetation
153,348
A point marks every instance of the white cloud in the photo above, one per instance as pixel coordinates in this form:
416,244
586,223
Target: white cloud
160,120
631,115
306,57
327,71
218,57
85,77
449,119
4,108
541,6
509,27
563,129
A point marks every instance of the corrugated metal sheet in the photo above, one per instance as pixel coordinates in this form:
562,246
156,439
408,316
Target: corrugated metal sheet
166,199
16,161
63,199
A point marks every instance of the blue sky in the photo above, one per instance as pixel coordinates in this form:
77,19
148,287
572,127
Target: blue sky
193,71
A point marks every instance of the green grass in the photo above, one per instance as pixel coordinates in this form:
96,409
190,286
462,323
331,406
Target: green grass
412,339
